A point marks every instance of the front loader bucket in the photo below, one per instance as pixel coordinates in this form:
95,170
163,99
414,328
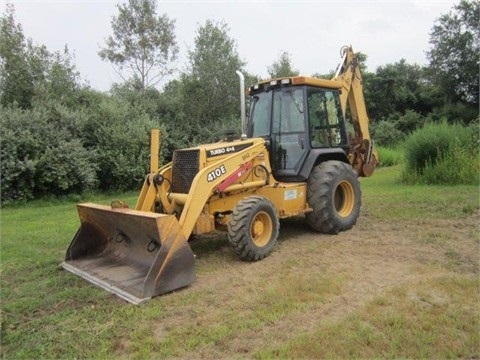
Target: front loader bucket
134,254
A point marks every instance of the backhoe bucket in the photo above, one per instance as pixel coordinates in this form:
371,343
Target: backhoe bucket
134,254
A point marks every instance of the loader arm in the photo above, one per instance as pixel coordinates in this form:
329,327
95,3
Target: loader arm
215,176
363,156
207,181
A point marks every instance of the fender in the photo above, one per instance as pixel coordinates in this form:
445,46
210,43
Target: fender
316,156
312,158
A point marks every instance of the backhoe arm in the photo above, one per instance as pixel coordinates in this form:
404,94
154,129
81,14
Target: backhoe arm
363,156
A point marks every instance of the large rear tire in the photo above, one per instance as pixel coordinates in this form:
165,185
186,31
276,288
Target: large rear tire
335,197
253,228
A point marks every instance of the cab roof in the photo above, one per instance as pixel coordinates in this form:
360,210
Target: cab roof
294,81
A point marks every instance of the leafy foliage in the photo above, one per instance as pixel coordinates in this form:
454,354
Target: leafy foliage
16,84
443,154
30,74
458,112
209,89
396,88
142,42
396,127
409,121
282,67
40,156
59,136
386,133
118,132
454,53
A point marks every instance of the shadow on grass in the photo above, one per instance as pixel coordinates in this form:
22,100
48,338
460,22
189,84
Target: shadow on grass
215,243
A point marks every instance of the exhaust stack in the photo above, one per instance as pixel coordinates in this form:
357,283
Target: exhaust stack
242,103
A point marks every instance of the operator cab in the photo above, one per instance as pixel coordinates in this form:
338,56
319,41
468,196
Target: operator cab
301,118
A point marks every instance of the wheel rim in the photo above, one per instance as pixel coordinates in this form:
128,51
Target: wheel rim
261,229
344,199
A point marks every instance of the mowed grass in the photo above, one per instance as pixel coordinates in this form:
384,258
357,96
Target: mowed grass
435,319
49,313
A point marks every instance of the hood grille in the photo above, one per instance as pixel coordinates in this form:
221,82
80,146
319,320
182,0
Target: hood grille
186,164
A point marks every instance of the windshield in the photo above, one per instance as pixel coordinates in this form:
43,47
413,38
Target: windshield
288,110
259,124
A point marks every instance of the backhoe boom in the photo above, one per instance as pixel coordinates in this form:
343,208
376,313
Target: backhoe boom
363,156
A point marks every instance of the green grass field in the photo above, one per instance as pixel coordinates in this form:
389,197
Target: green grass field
402,284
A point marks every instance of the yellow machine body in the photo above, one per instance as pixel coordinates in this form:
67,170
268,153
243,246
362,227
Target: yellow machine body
144,252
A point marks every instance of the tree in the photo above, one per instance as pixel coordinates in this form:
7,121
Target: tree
396,88
142,43
210,87
362,63
455,40
30,73
56,76
16,83
282,67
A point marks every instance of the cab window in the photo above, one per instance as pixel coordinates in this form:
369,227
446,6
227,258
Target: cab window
259,124
325,118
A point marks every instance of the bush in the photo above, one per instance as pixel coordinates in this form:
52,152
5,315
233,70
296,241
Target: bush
394,129
54,150
409,122
68,167
119,133
442,154
456,113
385,134
456,167
40,155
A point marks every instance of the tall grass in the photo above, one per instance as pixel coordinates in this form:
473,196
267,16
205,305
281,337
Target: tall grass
442,154
390,156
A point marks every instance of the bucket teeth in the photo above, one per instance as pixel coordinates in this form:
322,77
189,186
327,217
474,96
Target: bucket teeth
134,254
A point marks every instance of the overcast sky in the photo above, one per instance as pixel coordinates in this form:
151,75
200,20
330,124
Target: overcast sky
312,32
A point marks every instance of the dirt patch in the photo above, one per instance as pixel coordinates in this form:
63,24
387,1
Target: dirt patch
366,261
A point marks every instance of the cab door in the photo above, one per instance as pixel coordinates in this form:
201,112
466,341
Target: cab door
289,138
327,127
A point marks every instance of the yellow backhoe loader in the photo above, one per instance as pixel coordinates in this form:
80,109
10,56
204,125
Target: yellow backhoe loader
296,155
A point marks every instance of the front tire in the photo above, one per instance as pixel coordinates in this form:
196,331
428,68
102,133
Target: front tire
334,195
253,228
